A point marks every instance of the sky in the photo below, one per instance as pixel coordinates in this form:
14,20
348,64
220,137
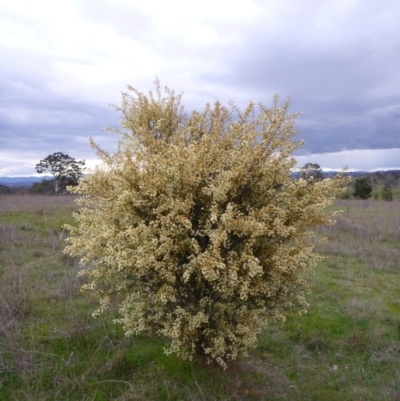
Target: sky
62,63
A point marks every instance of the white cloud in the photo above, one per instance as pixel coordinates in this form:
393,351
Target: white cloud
357,159
175,11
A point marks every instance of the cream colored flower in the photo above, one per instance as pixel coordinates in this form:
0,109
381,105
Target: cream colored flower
196,224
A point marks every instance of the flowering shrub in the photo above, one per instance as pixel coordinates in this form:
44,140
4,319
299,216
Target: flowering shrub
196,224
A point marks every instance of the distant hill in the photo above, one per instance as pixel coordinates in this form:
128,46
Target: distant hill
22,181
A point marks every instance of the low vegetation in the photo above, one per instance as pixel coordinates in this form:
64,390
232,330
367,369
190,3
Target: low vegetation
347,347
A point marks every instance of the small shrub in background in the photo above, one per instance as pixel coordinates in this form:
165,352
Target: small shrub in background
196,224
387,193
343,195
44,187
362,188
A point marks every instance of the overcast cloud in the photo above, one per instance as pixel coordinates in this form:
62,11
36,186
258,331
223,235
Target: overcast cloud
62,63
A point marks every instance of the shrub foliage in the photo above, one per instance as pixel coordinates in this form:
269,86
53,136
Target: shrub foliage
362,188
195,225
387,193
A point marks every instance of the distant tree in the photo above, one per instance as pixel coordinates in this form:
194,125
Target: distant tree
387,193
5,190
312,170
65,170
362,188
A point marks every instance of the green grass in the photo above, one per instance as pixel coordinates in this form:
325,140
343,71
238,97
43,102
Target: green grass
347,347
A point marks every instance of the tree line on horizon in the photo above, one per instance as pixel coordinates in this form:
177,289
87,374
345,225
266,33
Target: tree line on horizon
67,171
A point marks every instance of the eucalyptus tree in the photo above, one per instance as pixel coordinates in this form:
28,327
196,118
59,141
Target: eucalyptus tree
64,169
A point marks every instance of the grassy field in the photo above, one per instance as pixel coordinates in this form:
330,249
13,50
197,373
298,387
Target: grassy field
347,347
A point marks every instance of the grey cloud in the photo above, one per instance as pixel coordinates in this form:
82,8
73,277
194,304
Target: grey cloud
34,118
336,83
340,67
